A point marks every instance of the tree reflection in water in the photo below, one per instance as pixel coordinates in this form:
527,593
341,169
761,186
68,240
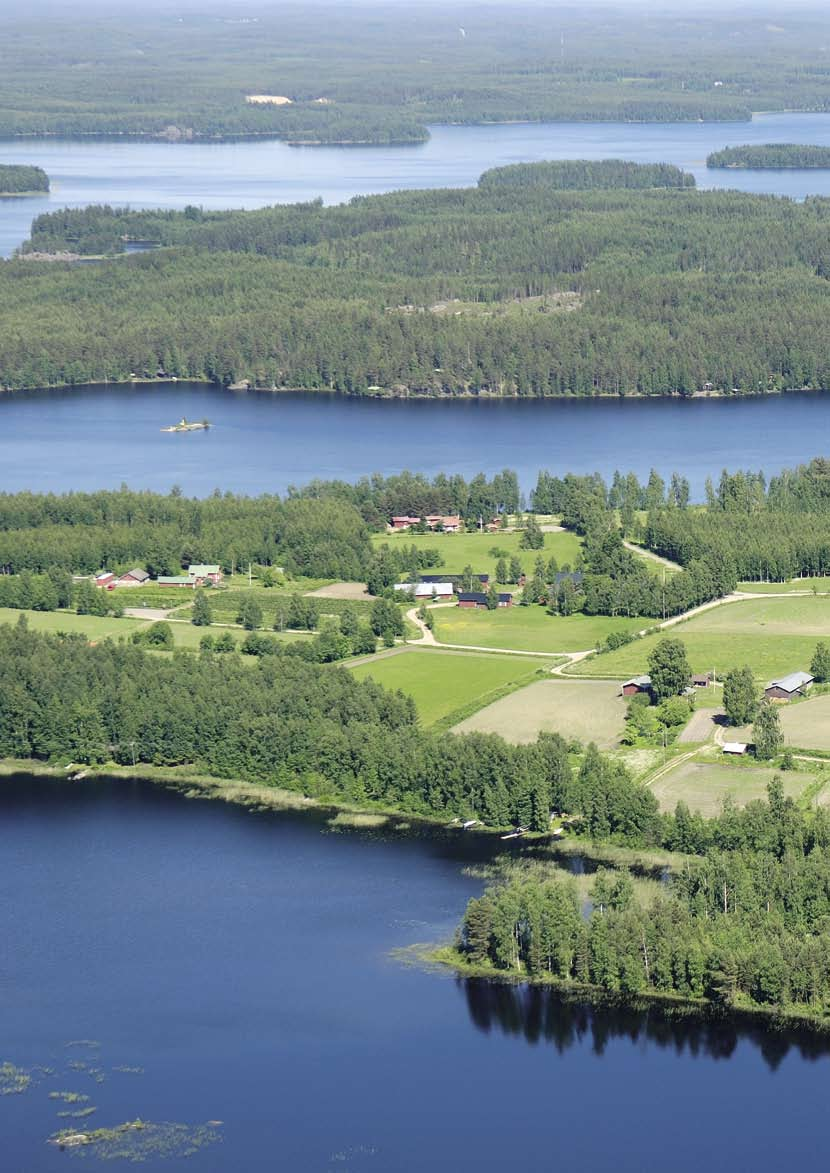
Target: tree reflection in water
540,1014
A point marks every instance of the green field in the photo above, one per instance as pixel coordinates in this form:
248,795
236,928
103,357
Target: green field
446,683
704,785
474,549
527,629
185,635
96,627
772,636
586,710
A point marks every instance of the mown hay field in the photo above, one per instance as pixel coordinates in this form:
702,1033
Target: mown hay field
584,710
703,786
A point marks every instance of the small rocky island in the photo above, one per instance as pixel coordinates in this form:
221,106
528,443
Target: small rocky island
185,425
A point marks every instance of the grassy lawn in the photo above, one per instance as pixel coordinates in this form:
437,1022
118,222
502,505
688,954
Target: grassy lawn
460,550
704,785
445,683
773,636
527,629
586,710
96,627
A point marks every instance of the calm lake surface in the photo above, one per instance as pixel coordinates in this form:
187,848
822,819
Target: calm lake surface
253,174
242,962
97,437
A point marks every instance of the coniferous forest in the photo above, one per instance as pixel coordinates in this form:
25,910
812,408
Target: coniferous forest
521,286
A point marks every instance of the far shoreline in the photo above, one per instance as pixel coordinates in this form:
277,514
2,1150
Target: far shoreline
378,394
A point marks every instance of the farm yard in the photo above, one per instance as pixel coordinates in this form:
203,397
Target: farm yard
526,629
771,635
703,786
585,711
446,683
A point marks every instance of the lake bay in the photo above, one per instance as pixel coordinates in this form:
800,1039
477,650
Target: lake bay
237,965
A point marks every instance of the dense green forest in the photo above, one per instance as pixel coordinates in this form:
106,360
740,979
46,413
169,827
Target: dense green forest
16,179
371,73
745,923
505,289
767,532
771,155
82,532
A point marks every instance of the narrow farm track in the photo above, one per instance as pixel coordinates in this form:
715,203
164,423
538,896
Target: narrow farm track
650,556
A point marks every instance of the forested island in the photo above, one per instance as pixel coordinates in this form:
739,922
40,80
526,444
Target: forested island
771,156
322,73
529,284
16,179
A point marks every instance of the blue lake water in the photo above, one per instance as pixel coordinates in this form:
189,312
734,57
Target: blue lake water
99,437
251,174
241,962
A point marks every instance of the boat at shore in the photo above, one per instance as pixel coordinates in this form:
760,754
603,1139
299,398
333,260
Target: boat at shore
185,425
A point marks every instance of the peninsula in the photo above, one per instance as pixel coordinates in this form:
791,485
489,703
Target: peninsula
771,157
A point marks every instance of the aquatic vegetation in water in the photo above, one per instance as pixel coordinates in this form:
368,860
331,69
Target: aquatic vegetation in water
13,1080
137,1140
81,1114
124,1069
346,1157
69,1097
82,1043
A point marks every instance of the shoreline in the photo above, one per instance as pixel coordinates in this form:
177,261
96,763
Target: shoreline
245,386
190,784
446,957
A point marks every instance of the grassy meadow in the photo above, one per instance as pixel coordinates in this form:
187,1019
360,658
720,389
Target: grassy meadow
444,684
526,629
94,627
